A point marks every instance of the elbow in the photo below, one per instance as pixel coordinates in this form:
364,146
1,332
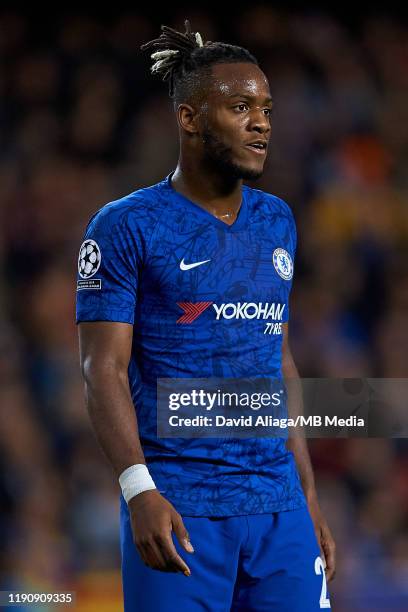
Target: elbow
86,366
97,369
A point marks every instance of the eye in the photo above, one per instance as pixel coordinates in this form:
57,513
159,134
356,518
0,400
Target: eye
241,107
267,111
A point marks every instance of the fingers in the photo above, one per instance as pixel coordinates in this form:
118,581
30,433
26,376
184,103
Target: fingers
319,541
158,552
329,549
172,556
152,556
182,533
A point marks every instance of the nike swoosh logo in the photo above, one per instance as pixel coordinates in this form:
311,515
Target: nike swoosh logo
184,266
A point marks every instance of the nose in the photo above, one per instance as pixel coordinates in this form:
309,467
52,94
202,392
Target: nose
259,122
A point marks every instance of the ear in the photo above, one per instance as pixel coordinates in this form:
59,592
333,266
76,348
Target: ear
187,117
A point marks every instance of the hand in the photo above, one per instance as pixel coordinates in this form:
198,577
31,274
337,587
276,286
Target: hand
324,538
152,519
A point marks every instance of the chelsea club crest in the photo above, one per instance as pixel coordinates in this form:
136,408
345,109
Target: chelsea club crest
283,263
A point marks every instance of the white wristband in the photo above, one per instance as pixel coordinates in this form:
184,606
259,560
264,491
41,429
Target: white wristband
134,480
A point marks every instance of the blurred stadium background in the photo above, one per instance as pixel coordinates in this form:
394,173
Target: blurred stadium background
81,123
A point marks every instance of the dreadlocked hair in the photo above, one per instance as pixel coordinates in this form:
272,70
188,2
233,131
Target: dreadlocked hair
181,58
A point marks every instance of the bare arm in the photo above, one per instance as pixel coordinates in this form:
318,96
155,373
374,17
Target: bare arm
297,442
105,352
298,445
105,349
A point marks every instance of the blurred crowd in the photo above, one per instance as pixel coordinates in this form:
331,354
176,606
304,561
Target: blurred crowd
82,122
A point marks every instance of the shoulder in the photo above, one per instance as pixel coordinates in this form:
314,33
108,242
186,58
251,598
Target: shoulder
139,210
275,216
269,202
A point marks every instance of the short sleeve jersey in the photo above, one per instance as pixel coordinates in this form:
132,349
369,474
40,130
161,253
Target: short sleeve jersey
206,299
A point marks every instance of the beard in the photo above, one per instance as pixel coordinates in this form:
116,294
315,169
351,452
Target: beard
218,156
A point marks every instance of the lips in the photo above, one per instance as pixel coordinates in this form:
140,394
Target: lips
257,146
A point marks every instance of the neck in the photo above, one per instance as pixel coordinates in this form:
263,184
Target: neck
218,194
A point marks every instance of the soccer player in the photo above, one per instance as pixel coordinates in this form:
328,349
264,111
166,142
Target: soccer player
190,278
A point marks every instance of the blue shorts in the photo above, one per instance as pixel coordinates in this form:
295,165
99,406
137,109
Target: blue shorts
256,562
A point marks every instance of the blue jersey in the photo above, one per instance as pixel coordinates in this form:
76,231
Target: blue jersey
206,299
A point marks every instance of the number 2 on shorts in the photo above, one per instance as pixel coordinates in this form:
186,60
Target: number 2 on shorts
319,569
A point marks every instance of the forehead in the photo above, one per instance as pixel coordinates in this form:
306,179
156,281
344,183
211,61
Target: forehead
238,78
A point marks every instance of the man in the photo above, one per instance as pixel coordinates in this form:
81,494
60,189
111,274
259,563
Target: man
156,270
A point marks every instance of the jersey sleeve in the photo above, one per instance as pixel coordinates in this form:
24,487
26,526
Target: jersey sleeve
108,269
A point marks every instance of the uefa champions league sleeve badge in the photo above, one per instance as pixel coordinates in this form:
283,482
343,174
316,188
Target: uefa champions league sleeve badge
89,260
283,263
